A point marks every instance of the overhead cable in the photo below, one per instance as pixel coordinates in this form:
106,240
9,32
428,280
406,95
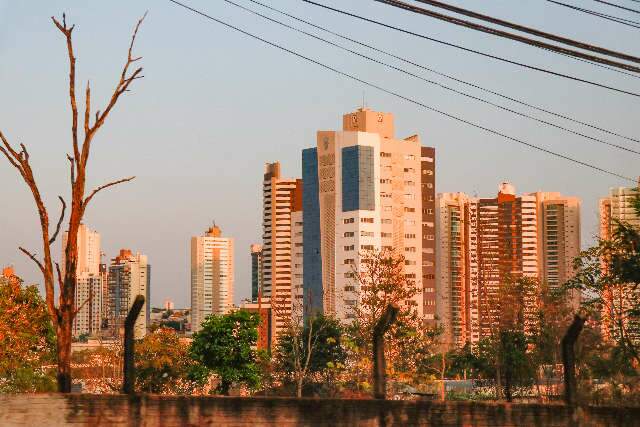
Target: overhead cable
406,98
488,55
409,73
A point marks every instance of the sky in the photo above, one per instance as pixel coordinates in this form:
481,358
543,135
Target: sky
215,106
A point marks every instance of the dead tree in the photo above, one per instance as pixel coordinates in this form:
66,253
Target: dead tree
129,367
63,313
379,362
568,359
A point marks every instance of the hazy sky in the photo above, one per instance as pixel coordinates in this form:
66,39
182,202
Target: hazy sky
214,106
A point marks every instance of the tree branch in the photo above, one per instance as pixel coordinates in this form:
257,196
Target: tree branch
64,207
102,187
122,85
73,174
77,310
33,258
72,81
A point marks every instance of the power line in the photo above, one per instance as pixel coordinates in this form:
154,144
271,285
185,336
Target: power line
448,76
488,55
515,37
611,18
390,92
503,108
618,6
518,27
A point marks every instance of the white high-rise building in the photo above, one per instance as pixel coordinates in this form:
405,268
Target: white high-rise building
364,191
89,295
211,275
129,276
297,252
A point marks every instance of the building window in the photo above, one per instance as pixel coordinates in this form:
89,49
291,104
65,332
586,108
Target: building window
386,235
348,221
348,248
409,209
385,181
383,154
348,234
386,221
409,236
387,208
366,233
367,220
349,261
366,247
349,288
409,157
409,262
410,249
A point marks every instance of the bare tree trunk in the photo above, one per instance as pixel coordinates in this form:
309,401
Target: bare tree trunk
129,371
568,359
379,362
62,315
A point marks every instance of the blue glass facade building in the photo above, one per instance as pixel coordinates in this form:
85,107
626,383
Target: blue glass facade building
311,258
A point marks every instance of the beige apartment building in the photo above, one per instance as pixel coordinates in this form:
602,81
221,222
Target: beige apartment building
484,242
282,198
364,190
129,276
90,283
212,274
617,206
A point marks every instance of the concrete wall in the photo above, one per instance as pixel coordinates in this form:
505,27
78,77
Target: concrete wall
118,410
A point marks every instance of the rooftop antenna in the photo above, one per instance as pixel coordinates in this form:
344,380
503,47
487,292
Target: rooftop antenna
363,103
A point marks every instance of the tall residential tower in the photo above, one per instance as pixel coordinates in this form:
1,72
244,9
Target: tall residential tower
282,198
365,189
211,275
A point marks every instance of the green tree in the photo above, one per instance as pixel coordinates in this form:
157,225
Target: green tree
314,351
27,338
225,345
608,275
163,364
381,281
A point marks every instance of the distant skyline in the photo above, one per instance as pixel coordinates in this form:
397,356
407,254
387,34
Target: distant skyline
215,106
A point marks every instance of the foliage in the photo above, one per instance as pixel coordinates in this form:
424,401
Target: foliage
27,339
225,345
608,275
163,364
409,342
311,353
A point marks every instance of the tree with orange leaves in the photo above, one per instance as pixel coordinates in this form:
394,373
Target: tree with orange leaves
27,339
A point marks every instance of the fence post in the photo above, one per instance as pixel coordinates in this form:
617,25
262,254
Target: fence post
379,363
129,367
568,359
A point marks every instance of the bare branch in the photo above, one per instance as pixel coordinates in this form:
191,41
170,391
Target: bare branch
72,82
77,310
87,108
125,81
33,258
8,151
73,174
24,153
64,206
102,187
59,275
